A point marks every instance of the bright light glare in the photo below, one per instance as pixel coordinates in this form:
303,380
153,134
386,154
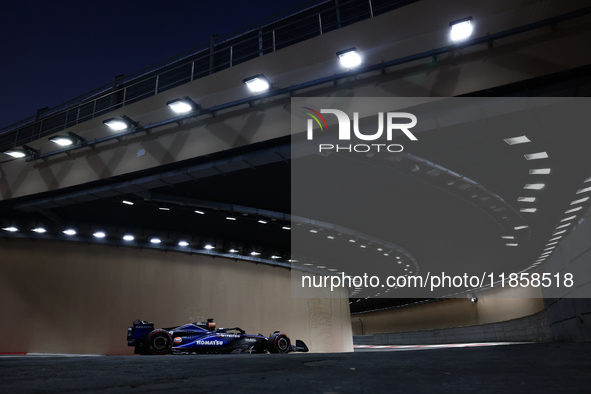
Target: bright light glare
128,238
10,229
520,227
200,212
512,244
461,31
209,247
254,253
116,124
99,234
257,84
17,154
350,59
180,107
230,218
183,243
526,199
69,232
39,230
127,202
62,141
155,240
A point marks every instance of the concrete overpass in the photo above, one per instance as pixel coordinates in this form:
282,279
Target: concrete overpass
211,177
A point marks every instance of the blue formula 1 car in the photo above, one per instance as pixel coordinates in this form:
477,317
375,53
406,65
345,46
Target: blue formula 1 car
203,337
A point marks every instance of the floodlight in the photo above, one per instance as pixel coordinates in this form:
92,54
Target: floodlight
233,251
99,234
67,140
69,232
128,238
460,29
183,105
155,240
26,151
254,253
39,230
183,243
10,229
209,247
349,58
120,124
257,83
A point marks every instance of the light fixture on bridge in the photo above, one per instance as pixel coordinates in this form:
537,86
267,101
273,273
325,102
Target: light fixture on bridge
10,229
183,105
39,230
257,83
69,231
155,241
183,243
120,124
209,247
67,140
26,151
349,58
99,234
128,237
461,29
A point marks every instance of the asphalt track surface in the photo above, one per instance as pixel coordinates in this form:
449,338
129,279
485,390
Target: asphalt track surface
535,368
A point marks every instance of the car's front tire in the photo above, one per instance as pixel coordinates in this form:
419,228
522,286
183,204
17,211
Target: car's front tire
278,343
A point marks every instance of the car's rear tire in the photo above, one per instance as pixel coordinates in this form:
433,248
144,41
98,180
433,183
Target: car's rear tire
159,342
278,343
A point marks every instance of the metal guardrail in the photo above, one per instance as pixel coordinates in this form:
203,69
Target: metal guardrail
208,59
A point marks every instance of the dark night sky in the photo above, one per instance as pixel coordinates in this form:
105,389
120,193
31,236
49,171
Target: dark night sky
54,51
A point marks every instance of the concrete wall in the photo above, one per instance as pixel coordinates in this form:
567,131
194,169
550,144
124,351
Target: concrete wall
80,298
569,308
534,328
412,29
493,306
